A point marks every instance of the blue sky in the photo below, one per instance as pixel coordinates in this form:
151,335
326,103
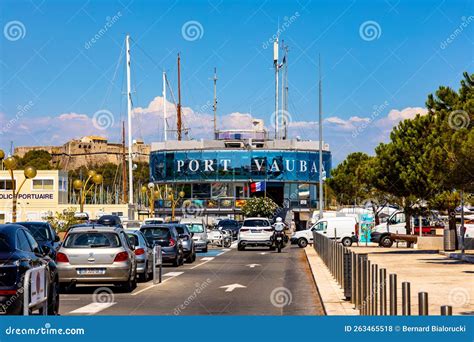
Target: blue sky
53,78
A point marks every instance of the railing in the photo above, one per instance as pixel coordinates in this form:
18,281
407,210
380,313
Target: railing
365,284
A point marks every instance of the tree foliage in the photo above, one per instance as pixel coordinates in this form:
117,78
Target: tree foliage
259,207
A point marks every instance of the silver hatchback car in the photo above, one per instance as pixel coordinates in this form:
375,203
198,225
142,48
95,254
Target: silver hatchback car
97,254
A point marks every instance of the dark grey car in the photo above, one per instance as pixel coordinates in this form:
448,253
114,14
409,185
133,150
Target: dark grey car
168,238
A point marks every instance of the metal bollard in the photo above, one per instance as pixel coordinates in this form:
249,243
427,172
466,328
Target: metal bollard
446,310
383,291
393,294
363,292
423,303
406,299
368,289
353,277
375,286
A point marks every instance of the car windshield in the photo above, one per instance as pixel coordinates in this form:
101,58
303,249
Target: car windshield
256,223
228,224
158,233
4,244
40,231
195,227
92,240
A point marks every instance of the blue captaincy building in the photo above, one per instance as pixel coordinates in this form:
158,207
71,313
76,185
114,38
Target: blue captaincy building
219,175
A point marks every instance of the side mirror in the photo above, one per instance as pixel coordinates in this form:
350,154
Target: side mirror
45,250
56,238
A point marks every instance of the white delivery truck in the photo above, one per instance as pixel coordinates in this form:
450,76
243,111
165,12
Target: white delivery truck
344,229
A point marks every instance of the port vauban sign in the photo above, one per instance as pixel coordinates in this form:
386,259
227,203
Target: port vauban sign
257,164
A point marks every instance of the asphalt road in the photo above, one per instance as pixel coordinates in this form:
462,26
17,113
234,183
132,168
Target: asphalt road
220,282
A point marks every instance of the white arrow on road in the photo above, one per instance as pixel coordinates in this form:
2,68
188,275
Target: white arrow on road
253,265
232,287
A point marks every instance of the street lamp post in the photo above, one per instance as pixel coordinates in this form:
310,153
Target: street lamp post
10,164
152,194
174,201
92,177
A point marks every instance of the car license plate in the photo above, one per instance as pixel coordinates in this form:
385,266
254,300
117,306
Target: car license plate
255,231
279,238
90,271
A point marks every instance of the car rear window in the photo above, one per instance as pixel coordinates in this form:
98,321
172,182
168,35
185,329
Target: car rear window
195,227
133,239
256,223
40,231
156,233
92,240
5,245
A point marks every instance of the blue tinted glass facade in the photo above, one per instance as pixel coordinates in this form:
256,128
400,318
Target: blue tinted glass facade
237,165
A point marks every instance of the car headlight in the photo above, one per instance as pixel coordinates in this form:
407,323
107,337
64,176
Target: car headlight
15,263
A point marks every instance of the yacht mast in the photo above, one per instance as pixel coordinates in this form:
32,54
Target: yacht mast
129,113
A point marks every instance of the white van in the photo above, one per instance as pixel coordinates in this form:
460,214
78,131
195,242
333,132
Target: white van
197,226
346,228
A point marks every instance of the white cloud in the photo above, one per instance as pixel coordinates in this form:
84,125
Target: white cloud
346,124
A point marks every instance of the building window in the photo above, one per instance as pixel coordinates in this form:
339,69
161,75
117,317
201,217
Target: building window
221,190
6,184
201,190
62,184
43,184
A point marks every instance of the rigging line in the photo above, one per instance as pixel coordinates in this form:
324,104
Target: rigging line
109,89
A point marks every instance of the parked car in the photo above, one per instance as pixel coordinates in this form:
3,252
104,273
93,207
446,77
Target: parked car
232,226
188,243
45,235
167,237
143,254
97,254
255,231
343,229
20,252
110,220
198,228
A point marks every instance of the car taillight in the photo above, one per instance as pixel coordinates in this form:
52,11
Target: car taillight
7,292
61,257
172,242
122,256
139,251
357,229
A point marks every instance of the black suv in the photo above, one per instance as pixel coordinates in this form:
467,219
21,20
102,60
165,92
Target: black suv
230,225
168,238
45,235
20,252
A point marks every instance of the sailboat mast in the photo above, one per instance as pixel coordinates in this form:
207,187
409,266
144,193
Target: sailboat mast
321,197
129,113
275,63
178,109
215,103
165,134
124,166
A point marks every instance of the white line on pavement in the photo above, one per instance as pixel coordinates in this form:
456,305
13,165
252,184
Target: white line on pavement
202,263
92,308
164,281
172,274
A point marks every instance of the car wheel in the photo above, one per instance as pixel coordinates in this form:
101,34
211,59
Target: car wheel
346,242
386,242
240,247
204,250
129,285
53,306
181,260
302,242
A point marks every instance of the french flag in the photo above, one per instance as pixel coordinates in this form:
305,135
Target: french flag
257,186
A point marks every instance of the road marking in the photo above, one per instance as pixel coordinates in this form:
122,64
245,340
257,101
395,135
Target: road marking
226,249
172,274
263,253
232,287
202,263
175,274
92,308
253,265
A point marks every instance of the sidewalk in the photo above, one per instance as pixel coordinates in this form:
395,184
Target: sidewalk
331,293
447,281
